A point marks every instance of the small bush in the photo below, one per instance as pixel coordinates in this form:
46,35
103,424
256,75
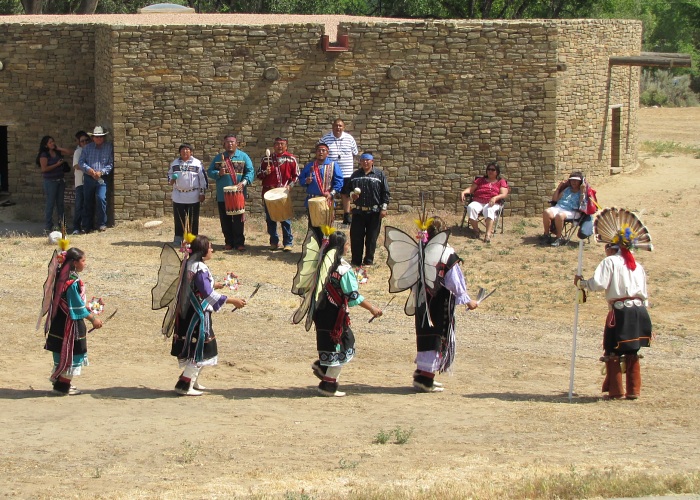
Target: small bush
382,437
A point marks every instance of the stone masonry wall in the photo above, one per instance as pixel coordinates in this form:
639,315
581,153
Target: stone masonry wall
434,100
587,89
469,92
46,88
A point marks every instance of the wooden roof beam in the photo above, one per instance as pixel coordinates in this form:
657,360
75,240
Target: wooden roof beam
653,59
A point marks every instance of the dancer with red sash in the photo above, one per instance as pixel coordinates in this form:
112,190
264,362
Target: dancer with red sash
65,309
628,325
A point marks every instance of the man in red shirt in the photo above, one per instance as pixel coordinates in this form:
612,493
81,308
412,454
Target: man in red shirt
280,169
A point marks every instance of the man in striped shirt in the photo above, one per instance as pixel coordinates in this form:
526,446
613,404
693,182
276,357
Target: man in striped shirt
342,149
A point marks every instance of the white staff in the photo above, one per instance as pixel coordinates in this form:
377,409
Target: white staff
577,301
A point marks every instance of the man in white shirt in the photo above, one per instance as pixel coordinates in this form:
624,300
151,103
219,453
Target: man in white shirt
79,226
342,149
628,326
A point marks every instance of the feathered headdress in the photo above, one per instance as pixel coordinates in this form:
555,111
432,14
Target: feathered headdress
423,222
621,227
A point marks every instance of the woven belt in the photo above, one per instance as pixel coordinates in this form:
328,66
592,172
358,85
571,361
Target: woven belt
620,304
186,190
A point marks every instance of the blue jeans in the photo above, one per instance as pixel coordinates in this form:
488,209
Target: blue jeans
287,238
54,189
78,209
95,197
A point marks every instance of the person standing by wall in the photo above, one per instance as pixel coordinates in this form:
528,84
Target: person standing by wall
369,189
232,167
97,161
281,169
189,181
50,161
82,139
342,148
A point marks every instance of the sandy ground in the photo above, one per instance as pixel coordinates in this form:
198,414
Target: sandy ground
261,429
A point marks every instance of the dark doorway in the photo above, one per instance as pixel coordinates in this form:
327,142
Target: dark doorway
4,167
615,139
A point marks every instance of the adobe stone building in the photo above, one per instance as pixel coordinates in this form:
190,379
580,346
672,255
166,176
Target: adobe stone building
434,100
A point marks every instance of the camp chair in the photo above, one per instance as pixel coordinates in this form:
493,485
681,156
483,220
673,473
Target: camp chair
498,221
571,225
574,224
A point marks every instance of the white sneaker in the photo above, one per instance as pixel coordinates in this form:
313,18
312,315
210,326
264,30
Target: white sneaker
191,392
199,386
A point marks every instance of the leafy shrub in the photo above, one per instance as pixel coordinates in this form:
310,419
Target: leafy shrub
663,88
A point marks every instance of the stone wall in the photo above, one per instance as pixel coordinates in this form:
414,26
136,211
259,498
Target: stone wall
587,90
434,100
46,88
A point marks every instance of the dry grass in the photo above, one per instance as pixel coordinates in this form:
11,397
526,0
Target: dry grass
502,429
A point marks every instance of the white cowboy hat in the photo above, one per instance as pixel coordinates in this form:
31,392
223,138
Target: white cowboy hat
98,132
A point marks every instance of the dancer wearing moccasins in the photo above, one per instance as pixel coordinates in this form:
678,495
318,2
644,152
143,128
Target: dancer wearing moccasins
627,326
429,266
191,298
65,309
329,288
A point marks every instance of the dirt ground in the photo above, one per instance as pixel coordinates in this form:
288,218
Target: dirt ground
262,430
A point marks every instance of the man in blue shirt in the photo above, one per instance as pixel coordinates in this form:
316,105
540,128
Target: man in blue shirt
231,168
321,177
97,162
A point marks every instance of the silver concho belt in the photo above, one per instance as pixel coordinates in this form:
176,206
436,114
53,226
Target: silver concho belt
627,303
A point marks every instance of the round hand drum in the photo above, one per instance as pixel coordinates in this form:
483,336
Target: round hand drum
234,201
279,204
320,213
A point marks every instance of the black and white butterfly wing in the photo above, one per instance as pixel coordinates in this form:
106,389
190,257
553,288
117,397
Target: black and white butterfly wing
166,291
306,267
324,273
403,259
432,256
47,299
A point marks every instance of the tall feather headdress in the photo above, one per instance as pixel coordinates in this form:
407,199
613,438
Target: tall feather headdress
620,226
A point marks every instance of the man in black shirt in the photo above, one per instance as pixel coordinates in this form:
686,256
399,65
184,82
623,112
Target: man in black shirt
369,191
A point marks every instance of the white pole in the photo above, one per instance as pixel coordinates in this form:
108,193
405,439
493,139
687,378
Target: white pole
573,343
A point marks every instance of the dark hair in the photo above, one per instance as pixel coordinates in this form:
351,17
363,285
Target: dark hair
282,139
230,135
43,148
436,227
81,133
185,145
199,247
496,166
73,255
337,241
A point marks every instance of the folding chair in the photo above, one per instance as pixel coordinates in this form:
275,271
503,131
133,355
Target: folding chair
571,226
498,222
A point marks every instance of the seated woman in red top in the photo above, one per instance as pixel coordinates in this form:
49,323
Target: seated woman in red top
488,193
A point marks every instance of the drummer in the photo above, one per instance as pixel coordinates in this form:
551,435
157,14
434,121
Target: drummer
231,162
279,170
321,177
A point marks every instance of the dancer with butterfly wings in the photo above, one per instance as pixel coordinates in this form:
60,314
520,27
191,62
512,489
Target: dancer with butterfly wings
64,307
187,288
627,326
328,286
429,266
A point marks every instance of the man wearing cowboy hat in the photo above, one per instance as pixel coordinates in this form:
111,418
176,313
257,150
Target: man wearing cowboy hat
97,161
